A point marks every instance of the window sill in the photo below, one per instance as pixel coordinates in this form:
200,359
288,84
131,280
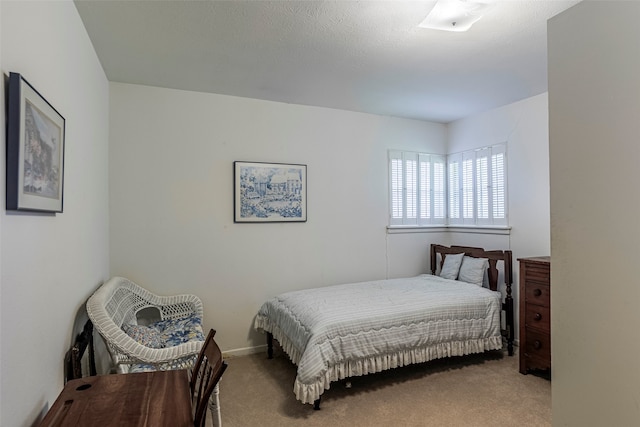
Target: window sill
476,229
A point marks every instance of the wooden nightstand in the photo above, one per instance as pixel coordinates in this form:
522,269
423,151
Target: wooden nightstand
535,313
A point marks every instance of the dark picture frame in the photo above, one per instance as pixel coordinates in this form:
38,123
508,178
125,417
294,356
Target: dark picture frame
269,192
35,150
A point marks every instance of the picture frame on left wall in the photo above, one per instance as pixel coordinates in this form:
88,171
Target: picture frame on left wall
35,150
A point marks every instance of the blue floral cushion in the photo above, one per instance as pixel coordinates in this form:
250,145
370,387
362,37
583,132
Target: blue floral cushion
177,331
141,368
144,335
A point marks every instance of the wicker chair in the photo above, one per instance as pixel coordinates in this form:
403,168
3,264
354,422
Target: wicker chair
117,302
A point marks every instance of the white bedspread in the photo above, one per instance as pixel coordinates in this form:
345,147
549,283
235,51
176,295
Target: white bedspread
341,331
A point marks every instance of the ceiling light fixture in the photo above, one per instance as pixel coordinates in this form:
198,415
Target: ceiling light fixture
456,15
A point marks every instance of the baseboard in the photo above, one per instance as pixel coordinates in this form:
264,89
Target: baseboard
245,351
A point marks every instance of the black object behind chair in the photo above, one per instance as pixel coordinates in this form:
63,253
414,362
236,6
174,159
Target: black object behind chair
73,358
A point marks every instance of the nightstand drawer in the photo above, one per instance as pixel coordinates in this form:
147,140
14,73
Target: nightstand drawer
537,316
537,294
538,345
537,273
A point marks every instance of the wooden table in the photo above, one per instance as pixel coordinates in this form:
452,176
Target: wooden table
159,398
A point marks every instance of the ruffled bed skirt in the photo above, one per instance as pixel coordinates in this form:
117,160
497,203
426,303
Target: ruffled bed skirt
308,393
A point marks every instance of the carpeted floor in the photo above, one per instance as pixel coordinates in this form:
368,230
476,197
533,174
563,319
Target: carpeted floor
478,390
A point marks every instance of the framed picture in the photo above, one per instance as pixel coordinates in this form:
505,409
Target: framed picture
270,192
35,150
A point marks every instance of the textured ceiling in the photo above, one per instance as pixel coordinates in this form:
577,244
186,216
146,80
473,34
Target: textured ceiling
367,56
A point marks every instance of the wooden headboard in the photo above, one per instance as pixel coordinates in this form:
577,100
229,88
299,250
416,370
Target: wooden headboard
493,257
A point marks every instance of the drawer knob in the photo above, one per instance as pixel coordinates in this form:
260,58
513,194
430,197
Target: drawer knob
537,292
537,316
537,345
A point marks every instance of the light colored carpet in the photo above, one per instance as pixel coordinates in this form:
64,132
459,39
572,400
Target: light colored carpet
478,390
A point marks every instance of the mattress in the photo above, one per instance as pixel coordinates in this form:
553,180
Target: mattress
341,331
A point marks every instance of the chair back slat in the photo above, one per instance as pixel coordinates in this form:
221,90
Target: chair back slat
206,374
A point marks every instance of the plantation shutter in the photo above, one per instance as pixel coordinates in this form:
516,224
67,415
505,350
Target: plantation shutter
439,189
499,184
478,186
482,185
425,180
464,188
411,187
455,188
396,187
417,188
468,207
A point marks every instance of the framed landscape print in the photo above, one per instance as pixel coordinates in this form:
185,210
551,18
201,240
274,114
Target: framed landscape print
270,192
35,150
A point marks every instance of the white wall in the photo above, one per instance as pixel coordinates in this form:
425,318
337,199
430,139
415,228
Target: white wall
171,201
407,254
173,229
524,127
594,106
50,264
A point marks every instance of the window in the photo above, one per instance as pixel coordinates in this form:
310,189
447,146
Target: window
482,186
468,188
417,188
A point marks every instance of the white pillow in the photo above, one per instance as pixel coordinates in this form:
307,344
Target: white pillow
472,270
451,266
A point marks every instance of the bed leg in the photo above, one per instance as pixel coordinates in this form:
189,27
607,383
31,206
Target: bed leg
510,323
316,404
269,345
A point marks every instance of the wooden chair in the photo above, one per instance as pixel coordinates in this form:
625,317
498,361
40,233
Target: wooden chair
205,375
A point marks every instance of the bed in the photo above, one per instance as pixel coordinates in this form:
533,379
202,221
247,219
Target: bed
335,332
